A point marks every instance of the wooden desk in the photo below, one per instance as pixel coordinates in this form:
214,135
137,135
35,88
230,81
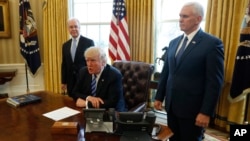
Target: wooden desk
27,123
164,135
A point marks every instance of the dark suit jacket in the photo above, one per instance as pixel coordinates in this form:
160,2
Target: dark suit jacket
194,85
69,68
109,87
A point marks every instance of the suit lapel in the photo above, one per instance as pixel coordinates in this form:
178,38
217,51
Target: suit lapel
175,47
101,80
192,44
69,50
78,48
89,81
78,52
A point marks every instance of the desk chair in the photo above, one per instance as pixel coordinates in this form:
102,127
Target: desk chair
136,81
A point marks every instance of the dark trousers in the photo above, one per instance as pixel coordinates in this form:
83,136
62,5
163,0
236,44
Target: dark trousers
70,86
184,129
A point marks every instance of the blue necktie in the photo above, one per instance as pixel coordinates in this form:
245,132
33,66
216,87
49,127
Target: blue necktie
93,86
182,49
73,49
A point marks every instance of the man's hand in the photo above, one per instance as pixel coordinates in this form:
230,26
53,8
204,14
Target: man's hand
80,103
202,120
64,88
95,101
158,105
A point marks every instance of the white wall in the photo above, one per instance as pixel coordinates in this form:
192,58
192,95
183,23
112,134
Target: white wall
18,84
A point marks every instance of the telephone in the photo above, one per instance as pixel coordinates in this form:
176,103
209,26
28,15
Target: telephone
136,121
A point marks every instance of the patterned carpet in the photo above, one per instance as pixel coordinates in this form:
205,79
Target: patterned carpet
215,135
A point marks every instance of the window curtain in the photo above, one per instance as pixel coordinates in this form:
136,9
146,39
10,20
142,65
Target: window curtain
140,25
224,19
55,16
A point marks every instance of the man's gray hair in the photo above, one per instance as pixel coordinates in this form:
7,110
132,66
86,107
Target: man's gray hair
96,51
73,19
197,8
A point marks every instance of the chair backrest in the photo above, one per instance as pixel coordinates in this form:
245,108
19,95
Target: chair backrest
136,81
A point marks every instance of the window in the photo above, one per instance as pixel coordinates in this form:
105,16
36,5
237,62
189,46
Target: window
167,24
95,17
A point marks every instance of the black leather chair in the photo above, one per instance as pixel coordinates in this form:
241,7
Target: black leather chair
136,83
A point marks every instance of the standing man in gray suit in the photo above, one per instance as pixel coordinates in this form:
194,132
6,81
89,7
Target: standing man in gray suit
73,56
191,83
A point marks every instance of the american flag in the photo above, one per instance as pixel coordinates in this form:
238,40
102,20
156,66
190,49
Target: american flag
119,37
28,37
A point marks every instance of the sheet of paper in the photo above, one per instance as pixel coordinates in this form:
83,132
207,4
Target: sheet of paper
61,113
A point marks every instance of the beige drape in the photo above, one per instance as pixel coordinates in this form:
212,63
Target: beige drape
140,24
224,18
55,16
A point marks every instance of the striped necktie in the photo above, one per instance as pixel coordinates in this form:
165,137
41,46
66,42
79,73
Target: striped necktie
93,85
182,49
73,49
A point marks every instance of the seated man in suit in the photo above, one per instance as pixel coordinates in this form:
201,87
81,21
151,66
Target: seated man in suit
99,85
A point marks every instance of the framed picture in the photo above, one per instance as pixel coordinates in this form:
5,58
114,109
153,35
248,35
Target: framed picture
4,19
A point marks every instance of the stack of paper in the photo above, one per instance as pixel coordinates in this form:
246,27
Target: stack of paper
61,113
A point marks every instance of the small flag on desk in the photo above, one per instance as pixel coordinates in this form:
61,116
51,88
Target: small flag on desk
119,37
29,47
241,75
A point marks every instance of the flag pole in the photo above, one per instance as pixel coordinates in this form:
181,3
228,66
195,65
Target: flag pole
27,79
246,110
29,46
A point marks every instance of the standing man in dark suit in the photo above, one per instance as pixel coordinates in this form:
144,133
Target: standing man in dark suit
191,85
108,83
72,56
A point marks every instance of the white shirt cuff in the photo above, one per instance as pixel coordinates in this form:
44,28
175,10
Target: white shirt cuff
87,102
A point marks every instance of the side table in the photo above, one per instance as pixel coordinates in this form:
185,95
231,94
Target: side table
5,76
